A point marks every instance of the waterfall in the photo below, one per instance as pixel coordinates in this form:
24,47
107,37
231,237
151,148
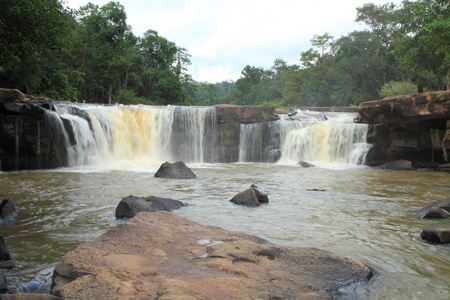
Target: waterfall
139,135
142,136
335,140
312,137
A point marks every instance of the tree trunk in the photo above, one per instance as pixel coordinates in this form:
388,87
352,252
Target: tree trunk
109,93
125,82
448,79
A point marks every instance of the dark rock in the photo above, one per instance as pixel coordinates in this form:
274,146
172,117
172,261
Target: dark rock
414,127
434,234
163,255
4,288
305,164
315,190
131,205
27,296
4,253
7,209
400,164
437,209
174,170
31,133
250,197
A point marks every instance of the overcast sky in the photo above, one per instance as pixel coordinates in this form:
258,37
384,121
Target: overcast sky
223,36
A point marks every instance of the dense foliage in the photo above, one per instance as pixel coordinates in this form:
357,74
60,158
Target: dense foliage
91,54
88,54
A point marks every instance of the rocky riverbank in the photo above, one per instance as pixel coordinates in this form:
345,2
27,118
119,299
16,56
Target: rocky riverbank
414,127
163,256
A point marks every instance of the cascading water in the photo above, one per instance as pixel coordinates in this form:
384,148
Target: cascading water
139,135
333,140
144,136
311,137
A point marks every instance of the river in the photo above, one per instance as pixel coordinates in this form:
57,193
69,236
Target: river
353,210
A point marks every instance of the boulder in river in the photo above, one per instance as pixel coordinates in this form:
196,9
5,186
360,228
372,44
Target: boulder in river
174,170
7,209
400,164
436,209
305,164
161,255
434,234
250,197
4,253
4,288
129,206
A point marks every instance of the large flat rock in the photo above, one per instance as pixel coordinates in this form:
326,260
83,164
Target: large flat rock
160,255
406,108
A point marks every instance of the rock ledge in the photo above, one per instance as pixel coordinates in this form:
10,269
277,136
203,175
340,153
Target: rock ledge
160,255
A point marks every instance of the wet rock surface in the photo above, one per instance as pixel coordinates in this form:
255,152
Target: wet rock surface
163,256
174,170
434,234
4,253
401,164
436,209
7,209
414,127
131,205
250,197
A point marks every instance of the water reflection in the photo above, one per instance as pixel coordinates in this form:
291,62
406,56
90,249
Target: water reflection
364,214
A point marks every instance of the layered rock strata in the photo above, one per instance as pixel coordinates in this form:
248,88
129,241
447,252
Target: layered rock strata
414,127
163,256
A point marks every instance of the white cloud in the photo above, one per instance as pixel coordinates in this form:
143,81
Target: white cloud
223,36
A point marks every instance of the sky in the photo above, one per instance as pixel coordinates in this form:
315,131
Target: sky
223,36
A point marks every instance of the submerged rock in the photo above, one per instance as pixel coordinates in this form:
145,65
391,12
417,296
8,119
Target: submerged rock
250,197
305,164
434,234
7,209
131,205
174,170
4,253
437,209
4,288
400,164
163,256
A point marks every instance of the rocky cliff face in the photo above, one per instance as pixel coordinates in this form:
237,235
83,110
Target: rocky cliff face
415,127
30,135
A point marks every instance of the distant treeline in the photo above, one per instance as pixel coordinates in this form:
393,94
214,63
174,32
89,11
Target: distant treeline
91,54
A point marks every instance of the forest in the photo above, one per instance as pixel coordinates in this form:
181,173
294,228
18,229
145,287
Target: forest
90,54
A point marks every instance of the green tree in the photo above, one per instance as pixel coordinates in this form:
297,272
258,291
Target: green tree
102,45
424,46
32,38
164,70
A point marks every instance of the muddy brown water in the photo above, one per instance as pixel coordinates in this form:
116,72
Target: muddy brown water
364,214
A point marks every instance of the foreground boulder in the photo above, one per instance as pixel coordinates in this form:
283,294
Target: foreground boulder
250,197
174,170
163,256
434,234
4,253
131,205
7,209
437,209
